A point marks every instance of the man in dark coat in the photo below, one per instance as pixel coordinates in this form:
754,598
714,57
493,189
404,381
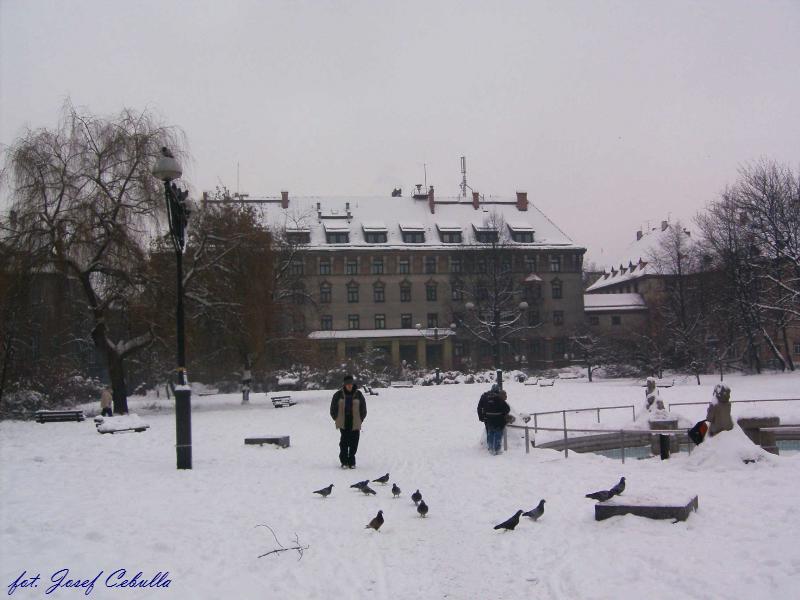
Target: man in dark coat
348,410
492,411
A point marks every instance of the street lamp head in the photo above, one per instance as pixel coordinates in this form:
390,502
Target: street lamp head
523,305
470,306
419,326
167,168
453,326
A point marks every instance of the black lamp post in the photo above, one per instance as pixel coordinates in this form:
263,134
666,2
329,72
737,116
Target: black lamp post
167,169
438,334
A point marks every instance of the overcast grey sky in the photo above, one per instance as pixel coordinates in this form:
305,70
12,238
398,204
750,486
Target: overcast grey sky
608,113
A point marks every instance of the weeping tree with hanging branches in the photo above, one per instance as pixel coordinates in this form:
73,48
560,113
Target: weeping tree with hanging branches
86,204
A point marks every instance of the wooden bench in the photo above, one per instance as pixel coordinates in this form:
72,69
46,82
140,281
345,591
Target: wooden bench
278,440
547,382
55,416
281,401
401,384
641,507
532,381
370,391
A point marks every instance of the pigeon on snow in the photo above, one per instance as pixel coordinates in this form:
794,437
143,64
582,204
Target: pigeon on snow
366,490
324,492
376,522
395,490
511,523
383,479
358,485
535,513
619,488
416,497
601,496
422,508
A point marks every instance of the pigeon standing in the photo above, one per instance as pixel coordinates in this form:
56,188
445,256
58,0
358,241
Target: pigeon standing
535,513
422,508
359,484
416,497
376,522
395,490
366,490
325,492
619,488
511,523
383,479
601,496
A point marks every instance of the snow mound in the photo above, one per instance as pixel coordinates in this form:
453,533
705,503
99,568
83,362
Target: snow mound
728,449
120,423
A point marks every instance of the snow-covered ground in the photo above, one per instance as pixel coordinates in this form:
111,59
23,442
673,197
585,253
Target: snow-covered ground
75,499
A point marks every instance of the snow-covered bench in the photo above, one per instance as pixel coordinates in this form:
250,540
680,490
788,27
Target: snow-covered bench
652,508
546,382
55,416
401,384
532,381
278,440
120,424
281,401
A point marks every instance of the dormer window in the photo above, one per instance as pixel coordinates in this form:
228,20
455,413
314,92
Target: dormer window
486,235
375,233
336,233
521,233
298,236
413,233
449,233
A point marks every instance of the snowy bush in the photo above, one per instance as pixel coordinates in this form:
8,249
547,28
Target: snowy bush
22,404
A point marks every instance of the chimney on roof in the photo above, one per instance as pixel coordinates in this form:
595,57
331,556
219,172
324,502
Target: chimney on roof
664,225
522,200
430,200
639,235
284,199
476,200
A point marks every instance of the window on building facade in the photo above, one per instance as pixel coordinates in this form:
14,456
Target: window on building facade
352,322
405,293
404,266
558,317
483,293
433,320
351,267
616,320
325,266
456,292
298,237
352,293
555,263
375,237
379,293
326,322
299,295
594,320
430,264
430,292
556,289
414,237
377,266
559,349
337,237
380,321
405,321
530,264
535,348
450,237
533,317
296,267
456,265
325,293
480,265
486,237
522,237
797,347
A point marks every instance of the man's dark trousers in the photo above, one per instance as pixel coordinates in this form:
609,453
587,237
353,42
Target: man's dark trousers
348,444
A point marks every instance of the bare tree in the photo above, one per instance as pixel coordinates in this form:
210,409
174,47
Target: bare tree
86,205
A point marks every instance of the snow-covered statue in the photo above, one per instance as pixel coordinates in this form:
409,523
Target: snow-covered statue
653,401
719,411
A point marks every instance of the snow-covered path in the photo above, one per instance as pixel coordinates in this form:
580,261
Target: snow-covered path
75,499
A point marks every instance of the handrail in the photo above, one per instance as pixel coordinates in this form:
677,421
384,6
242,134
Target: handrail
684,430
734,402
564,412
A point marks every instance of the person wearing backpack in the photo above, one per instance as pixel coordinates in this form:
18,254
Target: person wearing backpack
492,412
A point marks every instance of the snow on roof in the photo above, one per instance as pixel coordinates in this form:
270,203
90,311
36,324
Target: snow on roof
519,226
372,227
409,215
613,302
636,261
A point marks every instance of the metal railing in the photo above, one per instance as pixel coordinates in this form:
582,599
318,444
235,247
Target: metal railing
671,404
535,416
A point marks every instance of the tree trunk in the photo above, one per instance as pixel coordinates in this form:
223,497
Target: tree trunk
589,371
116,372
787,348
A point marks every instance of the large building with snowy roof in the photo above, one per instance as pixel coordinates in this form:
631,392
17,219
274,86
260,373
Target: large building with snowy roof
394,273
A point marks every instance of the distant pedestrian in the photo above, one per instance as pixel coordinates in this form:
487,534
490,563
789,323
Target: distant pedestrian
106,401
348,410
719,411
492,411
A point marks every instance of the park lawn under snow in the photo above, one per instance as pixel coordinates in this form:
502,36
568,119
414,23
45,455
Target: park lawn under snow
75,499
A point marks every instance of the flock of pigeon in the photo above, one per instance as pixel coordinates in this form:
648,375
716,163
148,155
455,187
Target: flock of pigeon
363,487
508,525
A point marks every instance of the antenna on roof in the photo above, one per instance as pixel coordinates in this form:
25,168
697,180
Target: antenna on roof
237,177
463,176
425,169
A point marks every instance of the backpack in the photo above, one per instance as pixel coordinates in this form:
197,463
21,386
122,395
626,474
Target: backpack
698,433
